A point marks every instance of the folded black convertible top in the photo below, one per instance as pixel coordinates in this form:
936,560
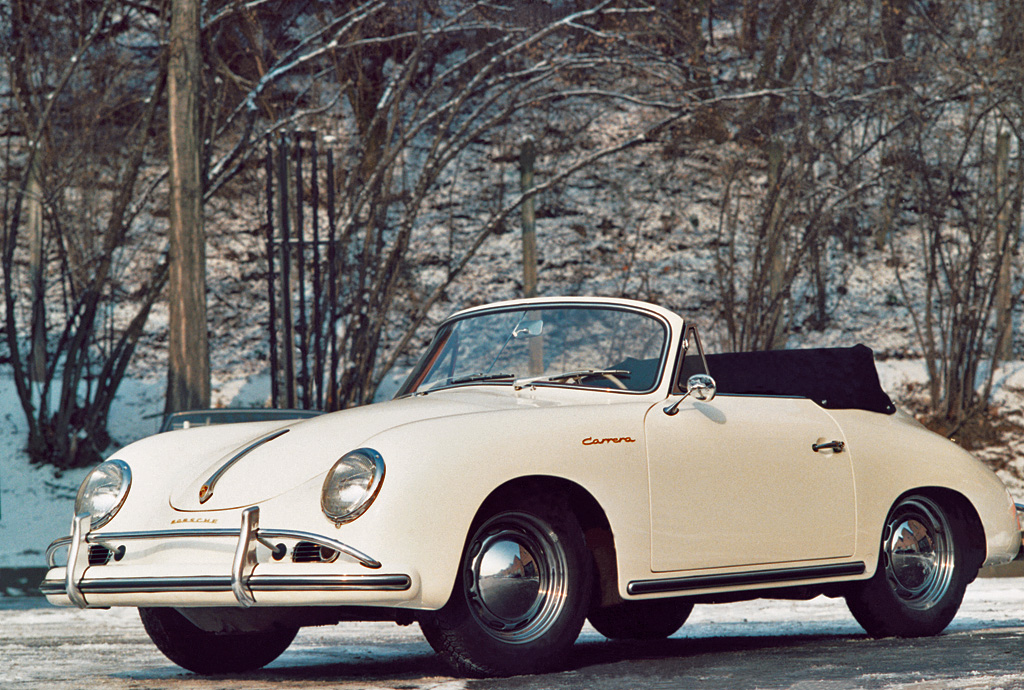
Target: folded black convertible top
834,377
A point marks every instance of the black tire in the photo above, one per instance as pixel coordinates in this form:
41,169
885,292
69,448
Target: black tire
206,652
521,594
924,566
641,620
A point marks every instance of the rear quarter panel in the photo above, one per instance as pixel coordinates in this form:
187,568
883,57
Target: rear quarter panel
894,454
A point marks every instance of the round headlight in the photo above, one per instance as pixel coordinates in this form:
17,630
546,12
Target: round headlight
103,491
351,485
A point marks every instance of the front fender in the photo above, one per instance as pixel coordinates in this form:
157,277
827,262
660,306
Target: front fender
440,472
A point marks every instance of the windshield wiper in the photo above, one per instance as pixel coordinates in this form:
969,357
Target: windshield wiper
576,377
470,378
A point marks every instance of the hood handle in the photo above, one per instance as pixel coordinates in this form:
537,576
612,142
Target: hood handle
206,491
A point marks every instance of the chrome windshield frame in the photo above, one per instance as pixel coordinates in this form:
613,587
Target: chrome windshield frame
411,386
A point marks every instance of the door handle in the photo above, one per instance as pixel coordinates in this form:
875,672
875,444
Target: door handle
836,446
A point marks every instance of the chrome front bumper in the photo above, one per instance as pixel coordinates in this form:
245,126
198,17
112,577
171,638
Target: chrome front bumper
241,581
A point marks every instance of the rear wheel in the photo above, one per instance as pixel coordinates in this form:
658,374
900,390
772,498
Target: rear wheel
641,620
924,566
206,652
521,594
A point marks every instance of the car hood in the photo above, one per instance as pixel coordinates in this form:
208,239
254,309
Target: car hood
278,457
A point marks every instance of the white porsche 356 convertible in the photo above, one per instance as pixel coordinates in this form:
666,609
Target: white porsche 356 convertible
547,461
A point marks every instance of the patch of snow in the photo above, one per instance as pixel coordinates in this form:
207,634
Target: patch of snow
37,503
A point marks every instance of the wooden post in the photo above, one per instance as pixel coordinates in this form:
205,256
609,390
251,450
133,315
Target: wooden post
188,371
288,328
300,257
527,157
775,258
34,225
332,287
1004,250
270,278
318,319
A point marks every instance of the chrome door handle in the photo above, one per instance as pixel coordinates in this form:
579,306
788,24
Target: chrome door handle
836,446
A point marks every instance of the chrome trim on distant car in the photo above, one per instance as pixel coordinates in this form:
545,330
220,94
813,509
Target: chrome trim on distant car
758,577
262,535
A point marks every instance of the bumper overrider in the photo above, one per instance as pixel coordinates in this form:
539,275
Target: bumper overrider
242,586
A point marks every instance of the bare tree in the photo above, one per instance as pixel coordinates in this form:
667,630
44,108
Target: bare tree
54,126
443,80
956,194
826,122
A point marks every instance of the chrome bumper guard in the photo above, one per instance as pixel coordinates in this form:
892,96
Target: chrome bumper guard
242,582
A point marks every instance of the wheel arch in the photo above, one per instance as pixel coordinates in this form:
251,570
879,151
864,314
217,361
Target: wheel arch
481,631
961,508
597,531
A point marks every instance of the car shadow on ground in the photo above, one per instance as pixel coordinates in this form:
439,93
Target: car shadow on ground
590,664
725,662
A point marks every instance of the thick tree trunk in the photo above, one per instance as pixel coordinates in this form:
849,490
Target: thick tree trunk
188,374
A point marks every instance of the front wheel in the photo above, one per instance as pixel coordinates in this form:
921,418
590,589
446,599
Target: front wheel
924,566
206,652
521,593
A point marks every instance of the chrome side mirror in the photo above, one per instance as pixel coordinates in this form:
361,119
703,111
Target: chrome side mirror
700,386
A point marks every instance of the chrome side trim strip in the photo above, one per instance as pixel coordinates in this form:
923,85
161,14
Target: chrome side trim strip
333,583
758,577
113,538
206,491
256,583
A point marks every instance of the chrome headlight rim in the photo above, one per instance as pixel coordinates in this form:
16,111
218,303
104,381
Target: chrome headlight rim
349,463
124,483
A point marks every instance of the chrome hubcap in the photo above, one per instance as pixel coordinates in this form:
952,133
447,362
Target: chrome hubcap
919,553
517,577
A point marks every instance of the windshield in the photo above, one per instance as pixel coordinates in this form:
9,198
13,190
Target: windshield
596,347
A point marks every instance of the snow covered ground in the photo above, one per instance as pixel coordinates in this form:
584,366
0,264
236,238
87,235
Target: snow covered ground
791,645
36,502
